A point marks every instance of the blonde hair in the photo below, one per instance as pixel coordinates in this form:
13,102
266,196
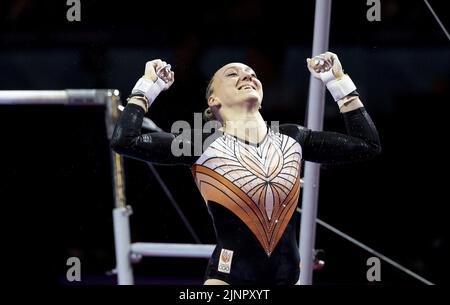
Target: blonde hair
208,114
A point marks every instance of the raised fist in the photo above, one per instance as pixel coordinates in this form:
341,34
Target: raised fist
159,69
323,63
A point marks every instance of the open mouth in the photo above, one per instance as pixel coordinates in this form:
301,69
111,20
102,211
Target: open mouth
247,87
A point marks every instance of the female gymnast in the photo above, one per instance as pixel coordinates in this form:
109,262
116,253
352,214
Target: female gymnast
249,173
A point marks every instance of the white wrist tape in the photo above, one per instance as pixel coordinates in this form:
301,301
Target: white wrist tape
149,88
338,88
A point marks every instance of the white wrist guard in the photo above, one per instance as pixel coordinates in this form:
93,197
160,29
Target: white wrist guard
338,88
149,88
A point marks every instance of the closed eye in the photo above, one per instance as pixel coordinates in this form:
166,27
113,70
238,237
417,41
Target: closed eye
232,74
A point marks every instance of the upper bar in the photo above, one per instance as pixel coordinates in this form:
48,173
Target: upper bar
76,97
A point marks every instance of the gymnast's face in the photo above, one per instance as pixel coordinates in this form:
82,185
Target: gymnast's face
235,84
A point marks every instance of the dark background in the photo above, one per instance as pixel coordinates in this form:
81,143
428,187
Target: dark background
56,192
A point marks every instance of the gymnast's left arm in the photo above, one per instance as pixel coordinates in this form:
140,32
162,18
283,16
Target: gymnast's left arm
362,141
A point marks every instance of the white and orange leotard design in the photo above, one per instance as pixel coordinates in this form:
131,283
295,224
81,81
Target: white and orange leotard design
260,184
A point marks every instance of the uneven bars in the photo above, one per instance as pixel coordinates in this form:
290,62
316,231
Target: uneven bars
75,97
173,250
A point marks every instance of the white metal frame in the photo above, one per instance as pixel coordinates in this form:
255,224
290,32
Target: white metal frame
316,104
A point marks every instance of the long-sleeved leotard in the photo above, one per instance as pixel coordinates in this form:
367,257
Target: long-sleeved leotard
251,190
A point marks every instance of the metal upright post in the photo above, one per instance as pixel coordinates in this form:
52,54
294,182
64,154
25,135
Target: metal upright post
316,104
121,212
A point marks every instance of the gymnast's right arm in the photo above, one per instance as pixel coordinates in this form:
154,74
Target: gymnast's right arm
127,139
154,147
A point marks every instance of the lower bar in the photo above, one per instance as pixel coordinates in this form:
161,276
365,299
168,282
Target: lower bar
173,250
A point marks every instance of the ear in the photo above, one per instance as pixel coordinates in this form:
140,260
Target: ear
213,101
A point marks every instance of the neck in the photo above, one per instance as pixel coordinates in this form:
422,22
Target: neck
247,124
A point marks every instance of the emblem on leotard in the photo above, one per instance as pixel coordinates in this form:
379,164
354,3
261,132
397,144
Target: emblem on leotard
226,257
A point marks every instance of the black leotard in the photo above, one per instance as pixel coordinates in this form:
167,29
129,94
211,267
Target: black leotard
252,190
